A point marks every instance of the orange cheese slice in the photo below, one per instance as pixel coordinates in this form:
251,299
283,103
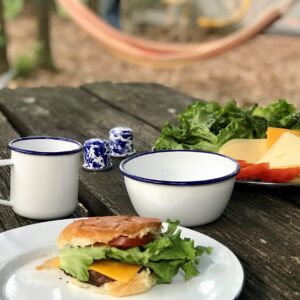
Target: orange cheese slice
250,150
273,134
296,180
49,263
284,153
116,270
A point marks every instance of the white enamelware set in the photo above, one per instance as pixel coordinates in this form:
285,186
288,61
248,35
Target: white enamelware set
191,186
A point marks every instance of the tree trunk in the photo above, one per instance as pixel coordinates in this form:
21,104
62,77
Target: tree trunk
94,5
29,8
3,41
45,60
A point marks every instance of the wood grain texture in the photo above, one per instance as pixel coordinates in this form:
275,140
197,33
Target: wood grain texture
74,113
8,219
7,132
152,103
260,225
262,229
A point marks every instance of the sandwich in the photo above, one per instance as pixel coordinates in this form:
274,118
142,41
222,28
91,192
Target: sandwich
124,255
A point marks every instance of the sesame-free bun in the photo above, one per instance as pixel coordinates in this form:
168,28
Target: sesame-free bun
86,232
140,283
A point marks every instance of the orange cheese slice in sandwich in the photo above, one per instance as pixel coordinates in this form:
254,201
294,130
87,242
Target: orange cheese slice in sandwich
52,263
116,270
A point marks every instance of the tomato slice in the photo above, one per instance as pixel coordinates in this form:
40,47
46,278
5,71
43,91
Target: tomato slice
280,175
244,163
126,242
252,171
262,172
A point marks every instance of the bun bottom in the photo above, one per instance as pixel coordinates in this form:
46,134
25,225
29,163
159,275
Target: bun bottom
140,283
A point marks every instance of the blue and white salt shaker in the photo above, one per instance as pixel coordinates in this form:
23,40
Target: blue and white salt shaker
96,155
121,142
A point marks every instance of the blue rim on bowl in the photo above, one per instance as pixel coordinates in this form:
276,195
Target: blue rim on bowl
34,152
167,182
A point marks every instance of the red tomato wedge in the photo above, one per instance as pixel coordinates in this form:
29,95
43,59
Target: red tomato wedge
244,163
252,171
126,242
280,175
263,172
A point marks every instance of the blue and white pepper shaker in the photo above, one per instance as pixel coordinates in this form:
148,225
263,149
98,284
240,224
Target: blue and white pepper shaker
96,155
121,142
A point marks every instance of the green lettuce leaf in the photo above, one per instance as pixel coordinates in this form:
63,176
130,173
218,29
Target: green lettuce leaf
164,256
278,114
75,261
190,269
165,270
208,125
132,255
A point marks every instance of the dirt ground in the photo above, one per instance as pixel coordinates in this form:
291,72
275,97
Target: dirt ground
261,70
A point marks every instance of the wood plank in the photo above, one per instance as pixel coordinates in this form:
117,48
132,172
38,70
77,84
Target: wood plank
8,219
262,229
7,132
260,226
74,113
152,103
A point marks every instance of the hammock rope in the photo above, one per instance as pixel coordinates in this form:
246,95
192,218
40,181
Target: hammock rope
160,54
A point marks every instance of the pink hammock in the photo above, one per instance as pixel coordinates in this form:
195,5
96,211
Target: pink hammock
159,54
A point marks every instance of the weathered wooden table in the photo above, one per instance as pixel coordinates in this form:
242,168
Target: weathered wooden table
260,225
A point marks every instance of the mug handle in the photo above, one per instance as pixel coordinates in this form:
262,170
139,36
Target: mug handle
5,162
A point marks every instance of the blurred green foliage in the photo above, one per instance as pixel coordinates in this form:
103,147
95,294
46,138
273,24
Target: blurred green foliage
25,64
12,8
2,40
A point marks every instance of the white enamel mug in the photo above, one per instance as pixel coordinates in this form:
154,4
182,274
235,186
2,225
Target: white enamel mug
44,176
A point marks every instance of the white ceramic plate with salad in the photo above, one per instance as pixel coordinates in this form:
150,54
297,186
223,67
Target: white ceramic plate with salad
268,184
253,134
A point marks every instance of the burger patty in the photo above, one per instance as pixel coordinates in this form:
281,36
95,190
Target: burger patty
98,279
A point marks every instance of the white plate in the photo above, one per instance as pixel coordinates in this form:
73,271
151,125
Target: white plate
268,184
24,248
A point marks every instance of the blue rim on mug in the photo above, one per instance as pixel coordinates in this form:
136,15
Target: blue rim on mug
121,142
13,147
96,153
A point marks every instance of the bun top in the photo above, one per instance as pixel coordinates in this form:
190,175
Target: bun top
86,232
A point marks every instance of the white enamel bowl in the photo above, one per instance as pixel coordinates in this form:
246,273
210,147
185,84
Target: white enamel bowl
191,186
